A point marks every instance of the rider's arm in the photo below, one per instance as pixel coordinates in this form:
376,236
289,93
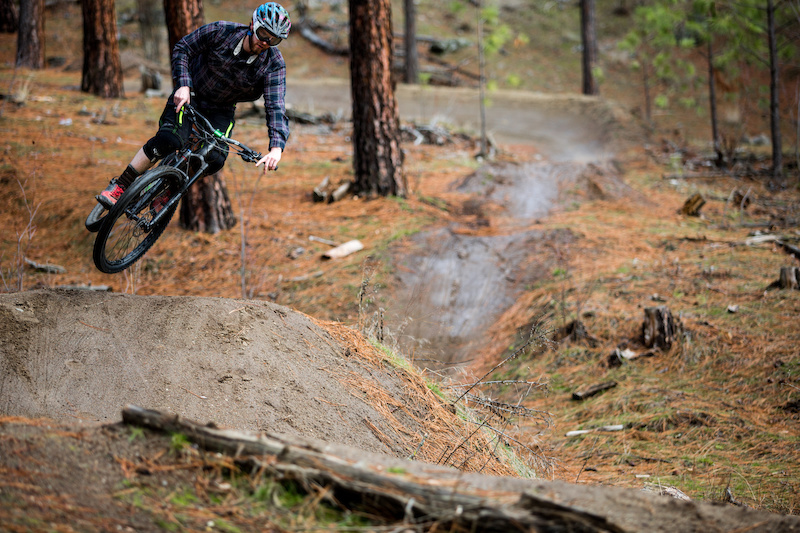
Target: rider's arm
183,95
187,48
271,160
275,102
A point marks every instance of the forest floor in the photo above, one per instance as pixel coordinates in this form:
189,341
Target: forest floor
715,416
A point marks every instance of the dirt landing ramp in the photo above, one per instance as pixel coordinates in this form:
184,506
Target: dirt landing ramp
80,356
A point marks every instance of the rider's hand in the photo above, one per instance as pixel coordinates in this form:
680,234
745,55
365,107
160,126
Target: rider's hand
181,97
271,160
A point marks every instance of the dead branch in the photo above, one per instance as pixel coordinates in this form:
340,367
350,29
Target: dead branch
789,249
504,410
593,390
306,29
45,267
535,336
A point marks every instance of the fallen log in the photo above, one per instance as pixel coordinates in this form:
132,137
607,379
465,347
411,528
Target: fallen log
398,495
307,32
328,192
789,249
416,494
45,267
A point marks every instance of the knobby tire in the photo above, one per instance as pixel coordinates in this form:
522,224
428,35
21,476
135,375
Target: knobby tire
122,238
96,218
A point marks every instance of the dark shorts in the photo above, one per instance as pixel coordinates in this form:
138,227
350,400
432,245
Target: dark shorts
173,132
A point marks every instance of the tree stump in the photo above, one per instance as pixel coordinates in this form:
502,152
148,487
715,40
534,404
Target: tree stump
692,206
151,78
659,328
740,200
789,278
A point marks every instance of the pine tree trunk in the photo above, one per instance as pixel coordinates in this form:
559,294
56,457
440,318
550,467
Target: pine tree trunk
589,40
102,70
182,18
377,157
9,16
412,57
712,104
647,106
151,24
30,39
774,108
206,207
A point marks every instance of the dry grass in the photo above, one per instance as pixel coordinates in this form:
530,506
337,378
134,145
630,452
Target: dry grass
423,417
713,416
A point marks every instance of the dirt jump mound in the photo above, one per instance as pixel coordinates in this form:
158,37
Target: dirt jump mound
81,356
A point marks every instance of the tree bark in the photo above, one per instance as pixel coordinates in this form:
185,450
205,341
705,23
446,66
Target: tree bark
789,278
30,39
206,206
648,115
693,205
484,146
412,57
9,16
377,157
712,98
774,109
589,40
151,22
182,18
659,328
416,496
102,70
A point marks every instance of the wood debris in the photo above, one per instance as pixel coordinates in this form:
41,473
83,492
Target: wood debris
593,390
343,250
693,205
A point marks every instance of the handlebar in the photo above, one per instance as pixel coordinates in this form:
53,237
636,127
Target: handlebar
241,149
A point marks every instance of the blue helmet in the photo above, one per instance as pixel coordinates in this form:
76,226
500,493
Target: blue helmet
272,17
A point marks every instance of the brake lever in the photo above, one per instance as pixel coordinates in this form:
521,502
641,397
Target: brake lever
251,157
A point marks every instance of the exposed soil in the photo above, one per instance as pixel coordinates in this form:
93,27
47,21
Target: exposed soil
474,250
253,365
454,282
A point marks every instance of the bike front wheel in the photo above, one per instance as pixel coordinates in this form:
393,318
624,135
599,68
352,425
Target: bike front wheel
135,223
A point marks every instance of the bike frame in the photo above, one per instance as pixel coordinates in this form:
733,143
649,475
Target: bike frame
210,139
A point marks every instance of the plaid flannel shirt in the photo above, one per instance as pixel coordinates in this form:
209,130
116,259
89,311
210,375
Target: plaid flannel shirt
204,61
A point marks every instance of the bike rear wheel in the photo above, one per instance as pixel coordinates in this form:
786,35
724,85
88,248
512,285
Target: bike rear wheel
127,232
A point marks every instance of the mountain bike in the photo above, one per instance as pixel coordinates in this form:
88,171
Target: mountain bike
140,216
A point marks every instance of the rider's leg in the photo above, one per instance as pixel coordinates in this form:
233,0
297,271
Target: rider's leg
223,120
138,166
168,138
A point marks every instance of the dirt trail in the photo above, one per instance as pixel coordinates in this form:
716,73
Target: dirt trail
454,282
563,127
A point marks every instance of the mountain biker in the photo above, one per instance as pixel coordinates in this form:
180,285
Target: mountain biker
214,67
